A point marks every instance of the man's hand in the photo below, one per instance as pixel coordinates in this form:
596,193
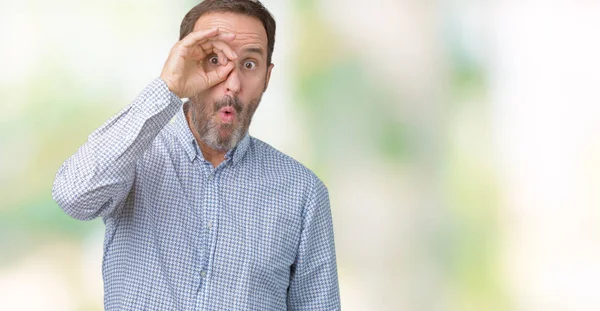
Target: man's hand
184,71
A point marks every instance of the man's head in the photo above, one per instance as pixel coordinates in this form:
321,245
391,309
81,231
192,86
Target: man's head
221,115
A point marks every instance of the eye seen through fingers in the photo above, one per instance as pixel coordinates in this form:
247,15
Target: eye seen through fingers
214,60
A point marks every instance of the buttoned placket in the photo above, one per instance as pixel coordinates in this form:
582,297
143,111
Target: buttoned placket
211,206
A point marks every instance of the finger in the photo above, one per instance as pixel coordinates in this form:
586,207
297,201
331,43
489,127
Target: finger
197,54
201,36
225,36
201,55
198,37
219,47
222,58
221,36
202,48
219,74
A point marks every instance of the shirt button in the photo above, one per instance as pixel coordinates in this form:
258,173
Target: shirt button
210,177
203,273
209,225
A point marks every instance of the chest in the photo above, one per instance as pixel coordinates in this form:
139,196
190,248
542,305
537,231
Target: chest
237,221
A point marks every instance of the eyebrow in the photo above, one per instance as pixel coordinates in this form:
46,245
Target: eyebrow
256,50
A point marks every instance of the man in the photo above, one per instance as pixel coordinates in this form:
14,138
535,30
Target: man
199,215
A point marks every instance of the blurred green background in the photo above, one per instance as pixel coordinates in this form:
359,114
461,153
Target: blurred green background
458,140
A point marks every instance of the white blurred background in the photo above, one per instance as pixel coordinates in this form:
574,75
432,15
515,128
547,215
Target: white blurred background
459,140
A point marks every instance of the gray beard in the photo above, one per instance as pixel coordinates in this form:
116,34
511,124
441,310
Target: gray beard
209,134
209,128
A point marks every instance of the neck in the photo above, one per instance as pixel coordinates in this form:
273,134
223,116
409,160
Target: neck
215,157
211,155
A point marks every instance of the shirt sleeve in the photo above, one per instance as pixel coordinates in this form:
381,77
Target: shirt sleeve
98,177
313,279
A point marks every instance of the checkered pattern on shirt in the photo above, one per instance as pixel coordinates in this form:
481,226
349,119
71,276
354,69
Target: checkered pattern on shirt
255,233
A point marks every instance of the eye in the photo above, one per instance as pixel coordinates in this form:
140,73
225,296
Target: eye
213,60
250,65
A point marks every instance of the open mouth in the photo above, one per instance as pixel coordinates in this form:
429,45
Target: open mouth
227,114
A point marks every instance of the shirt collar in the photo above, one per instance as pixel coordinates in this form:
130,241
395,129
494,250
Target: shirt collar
190,146
240,150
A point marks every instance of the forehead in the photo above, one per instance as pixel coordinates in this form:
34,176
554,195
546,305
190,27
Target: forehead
248,29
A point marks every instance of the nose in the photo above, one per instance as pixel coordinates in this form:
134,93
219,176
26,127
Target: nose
232,83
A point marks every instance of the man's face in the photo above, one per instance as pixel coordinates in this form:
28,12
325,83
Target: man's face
221,115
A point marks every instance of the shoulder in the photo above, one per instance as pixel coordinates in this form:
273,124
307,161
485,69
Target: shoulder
280,166
166,147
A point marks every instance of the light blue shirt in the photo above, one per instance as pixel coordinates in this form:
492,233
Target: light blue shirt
254,233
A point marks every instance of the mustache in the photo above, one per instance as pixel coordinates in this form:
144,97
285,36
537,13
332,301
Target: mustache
228,101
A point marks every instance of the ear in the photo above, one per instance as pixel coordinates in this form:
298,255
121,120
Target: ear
268,76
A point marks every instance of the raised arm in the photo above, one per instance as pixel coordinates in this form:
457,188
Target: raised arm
96,180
